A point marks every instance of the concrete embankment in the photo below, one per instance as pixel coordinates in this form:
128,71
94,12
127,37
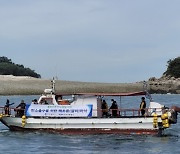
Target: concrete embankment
10,85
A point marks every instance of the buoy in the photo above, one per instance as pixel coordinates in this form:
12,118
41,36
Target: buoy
23,120
155,125
155,120
167,125
165,120
166,115
23,117
163,117
155,115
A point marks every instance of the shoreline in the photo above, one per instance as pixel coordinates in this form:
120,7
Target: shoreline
11,85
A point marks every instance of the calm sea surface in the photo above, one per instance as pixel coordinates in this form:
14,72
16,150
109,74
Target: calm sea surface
43,142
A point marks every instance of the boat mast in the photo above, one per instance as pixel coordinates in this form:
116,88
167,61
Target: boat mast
53,86
120,102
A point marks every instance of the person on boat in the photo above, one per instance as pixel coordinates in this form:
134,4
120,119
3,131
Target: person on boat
104,108
143,106
114,108
21,108
35,101
45,102
6,107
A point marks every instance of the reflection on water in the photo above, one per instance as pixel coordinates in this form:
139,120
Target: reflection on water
39,142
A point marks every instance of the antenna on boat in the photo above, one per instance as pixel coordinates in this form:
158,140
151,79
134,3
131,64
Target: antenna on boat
145,88
53,86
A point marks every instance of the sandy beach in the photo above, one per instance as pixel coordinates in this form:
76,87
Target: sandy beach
11,85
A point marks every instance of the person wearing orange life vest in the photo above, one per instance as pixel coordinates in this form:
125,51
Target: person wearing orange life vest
143,106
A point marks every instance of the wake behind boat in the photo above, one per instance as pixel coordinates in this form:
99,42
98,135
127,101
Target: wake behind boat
83,113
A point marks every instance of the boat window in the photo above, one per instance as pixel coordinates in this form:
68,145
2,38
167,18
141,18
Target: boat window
63,102
66,100
46,101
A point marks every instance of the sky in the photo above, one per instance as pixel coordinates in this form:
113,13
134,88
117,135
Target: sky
112,41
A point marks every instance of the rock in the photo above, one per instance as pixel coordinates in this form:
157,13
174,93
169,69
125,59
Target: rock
165,84
152,79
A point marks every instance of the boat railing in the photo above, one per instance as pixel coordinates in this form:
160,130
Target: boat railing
129,112
10,111
136,112
17,112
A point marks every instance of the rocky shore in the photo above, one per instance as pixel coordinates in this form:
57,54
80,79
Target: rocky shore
11,85
164,85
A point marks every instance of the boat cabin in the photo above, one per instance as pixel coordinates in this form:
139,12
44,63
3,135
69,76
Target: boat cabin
83,105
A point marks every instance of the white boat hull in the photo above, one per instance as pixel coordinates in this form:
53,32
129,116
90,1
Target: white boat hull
85,125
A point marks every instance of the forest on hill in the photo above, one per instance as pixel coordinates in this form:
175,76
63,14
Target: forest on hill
7,67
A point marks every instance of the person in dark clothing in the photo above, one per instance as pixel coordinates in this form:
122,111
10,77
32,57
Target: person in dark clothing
114,108
143,106
21,108
6,107
104,108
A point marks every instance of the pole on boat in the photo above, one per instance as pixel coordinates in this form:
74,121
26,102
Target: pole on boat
120,102
53,86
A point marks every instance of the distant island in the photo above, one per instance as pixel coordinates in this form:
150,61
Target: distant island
13,83
170,80
7,67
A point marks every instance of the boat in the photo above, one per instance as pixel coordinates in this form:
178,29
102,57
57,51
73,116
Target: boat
81,113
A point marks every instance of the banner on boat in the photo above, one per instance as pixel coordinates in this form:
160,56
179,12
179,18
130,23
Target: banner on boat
59,110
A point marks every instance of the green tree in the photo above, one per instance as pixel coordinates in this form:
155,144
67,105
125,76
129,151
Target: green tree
7,67
173,68
5,60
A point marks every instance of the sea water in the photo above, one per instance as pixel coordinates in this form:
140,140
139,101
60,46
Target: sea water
38,142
